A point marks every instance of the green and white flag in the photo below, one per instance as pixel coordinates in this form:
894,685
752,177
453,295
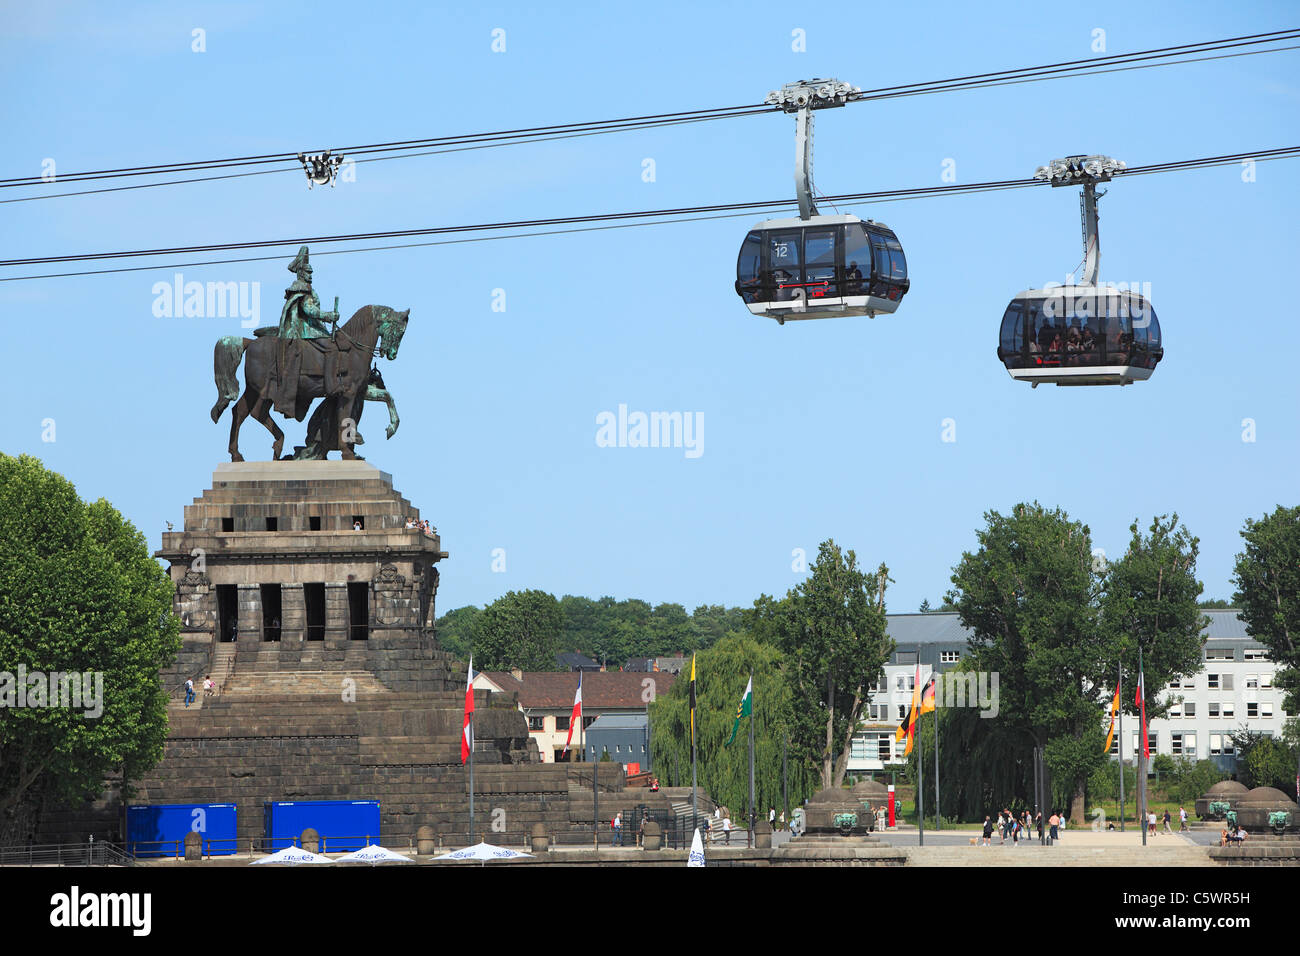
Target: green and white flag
746,707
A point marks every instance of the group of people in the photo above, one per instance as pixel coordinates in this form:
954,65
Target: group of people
1022,826
721,823
413,523
1231,834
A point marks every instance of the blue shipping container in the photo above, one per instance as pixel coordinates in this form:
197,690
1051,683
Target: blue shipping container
343,825
160,829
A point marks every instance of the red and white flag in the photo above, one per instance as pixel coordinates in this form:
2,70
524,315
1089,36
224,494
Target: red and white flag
576,716
467,735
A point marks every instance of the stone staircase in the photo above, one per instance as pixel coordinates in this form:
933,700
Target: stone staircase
272,683
1182,855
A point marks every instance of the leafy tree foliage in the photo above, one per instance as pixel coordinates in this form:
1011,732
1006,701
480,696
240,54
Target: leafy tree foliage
723,772
831,629
79,592
521,629
1264,761
1028,594
1267,577
455,630
1151,599
612,632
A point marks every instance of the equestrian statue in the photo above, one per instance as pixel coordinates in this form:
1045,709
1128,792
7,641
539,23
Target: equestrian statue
286,367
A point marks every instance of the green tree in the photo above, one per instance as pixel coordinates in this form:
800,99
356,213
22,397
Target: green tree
1264,761
520,629
1267,577
1151,599
455,630
723,772
831,629
1217,604
79,593
1028,595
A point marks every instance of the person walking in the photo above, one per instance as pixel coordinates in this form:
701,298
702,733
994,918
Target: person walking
1182,819
1166,822
618,829
189,691
988,829
1052,823
726,829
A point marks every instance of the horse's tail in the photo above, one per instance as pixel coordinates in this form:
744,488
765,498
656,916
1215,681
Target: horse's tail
225,361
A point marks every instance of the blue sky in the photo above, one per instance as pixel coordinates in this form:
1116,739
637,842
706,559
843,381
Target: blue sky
811,430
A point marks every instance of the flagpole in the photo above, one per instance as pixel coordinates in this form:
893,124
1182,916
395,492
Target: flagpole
1142,746
1119,692
695,811
938,821
471,779
752,807
920,786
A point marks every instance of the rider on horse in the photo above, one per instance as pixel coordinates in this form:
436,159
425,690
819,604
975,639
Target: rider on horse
301,317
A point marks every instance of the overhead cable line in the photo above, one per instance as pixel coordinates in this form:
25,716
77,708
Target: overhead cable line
626,219
1143,59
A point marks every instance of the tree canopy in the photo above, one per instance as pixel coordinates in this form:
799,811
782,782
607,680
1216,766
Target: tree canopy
79,593
1267,577
520,629
722,771
831,630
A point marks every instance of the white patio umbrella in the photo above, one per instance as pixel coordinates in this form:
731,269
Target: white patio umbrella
373,855
696,857
483,852
293,856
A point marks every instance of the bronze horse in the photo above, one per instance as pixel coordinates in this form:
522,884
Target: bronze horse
374,330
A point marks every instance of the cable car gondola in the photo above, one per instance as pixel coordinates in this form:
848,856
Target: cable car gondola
818,267
1085,334
821,267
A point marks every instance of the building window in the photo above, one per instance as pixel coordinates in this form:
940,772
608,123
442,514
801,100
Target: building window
1214,710
902,712
1189,745
587,722
911,682
1114,746
1252,709
1177,740
884,743
1189,683
1252,682
1212,681
1266,680
900,681
562,723
1228,709
858,749
1220,654
1226,680
1266,708
1175,712
536,723
1255,654
1174,684
1189,708
949,657
1229,746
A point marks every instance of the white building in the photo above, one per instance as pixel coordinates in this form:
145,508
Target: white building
1233,691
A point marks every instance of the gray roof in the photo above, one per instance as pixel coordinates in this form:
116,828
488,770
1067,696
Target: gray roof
1226,624
944,627
618,722
935,628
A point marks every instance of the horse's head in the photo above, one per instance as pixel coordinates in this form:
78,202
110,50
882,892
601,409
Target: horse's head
392,326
